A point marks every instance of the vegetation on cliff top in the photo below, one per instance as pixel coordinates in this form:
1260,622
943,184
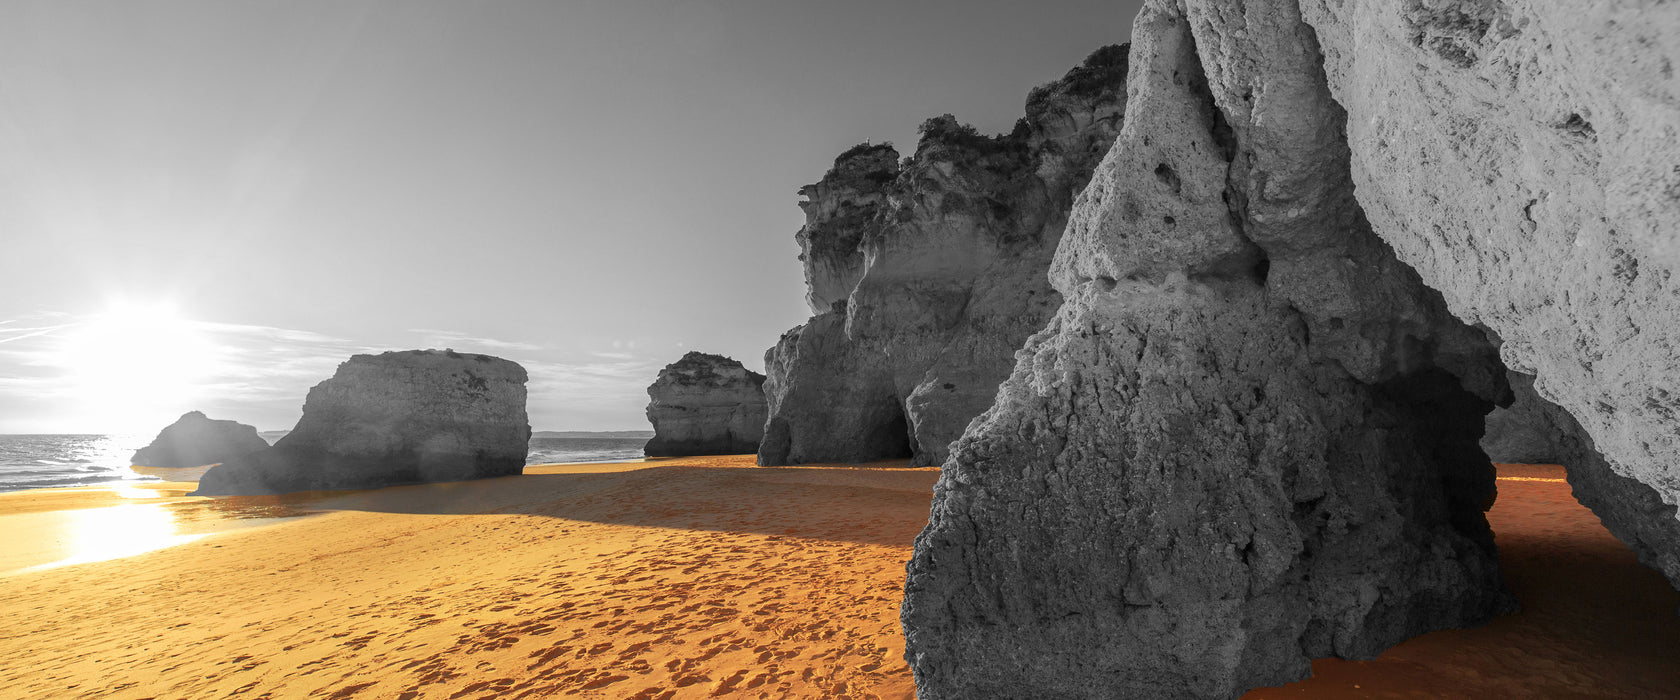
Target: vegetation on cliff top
1103,71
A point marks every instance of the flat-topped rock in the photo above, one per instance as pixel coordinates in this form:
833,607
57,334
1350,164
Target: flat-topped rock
195,440
394,418
705,405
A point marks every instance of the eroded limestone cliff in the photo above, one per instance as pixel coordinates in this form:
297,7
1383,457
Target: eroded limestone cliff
705,405
394,418
925,276
1249,436
195,440
1524,157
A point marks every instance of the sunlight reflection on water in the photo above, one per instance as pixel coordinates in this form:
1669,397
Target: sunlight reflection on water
99,534
32,542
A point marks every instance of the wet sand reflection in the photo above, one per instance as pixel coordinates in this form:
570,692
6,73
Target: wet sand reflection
38,541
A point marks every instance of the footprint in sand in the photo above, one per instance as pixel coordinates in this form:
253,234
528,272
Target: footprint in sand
690,679
727,685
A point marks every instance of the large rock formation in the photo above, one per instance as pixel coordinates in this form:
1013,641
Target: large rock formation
1248,438
195,440
926,276
1524,157
394,418
705,405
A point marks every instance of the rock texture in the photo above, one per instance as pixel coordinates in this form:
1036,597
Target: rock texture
926,275
195,440
1527,431
394,418
705,405
1249,436
1524,157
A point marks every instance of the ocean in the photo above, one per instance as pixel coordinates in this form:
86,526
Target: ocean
55,461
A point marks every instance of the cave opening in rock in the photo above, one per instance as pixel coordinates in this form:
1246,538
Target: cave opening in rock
889,436
1533,438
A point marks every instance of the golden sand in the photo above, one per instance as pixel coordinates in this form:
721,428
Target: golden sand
679,578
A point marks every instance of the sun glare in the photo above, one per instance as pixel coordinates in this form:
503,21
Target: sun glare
136,367
99,534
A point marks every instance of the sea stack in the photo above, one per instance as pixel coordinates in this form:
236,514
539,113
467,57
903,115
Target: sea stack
394,418
705,405
925,276
1249,437
195,440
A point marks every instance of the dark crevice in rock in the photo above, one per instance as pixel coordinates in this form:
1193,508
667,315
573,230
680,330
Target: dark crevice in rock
1452,417
1165,174
1456,30
1579,127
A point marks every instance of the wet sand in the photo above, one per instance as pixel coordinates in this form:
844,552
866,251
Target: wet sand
678,578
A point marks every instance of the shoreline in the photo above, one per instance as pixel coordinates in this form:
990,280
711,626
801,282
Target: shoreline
678,578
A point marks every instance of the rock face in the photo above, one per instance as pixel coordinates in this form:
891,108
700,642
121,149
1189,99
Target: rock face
195,440
705,405
1249,436
394,418
1524,157
925,276
1527,431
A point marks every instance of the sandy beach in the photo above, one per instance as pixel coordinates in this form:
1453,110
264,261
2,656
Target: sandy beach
678,578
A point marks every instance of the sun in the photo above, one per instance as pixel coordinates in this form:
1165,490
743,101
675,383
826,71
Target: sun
137,366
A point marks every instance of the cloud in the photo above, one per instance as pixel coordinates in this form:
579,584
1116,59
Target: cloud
261,375
591,381
265,363
8,335
247,372
590,395
435,338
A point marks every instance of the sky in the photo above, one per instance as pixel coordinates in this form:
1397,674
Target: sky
208,205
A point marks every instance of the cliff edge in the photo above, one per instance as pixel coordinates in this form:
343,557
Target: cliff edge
926,275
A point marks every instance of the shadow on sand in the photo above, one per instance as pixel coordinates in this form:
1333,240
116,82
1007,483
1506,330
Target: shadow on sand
880,503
